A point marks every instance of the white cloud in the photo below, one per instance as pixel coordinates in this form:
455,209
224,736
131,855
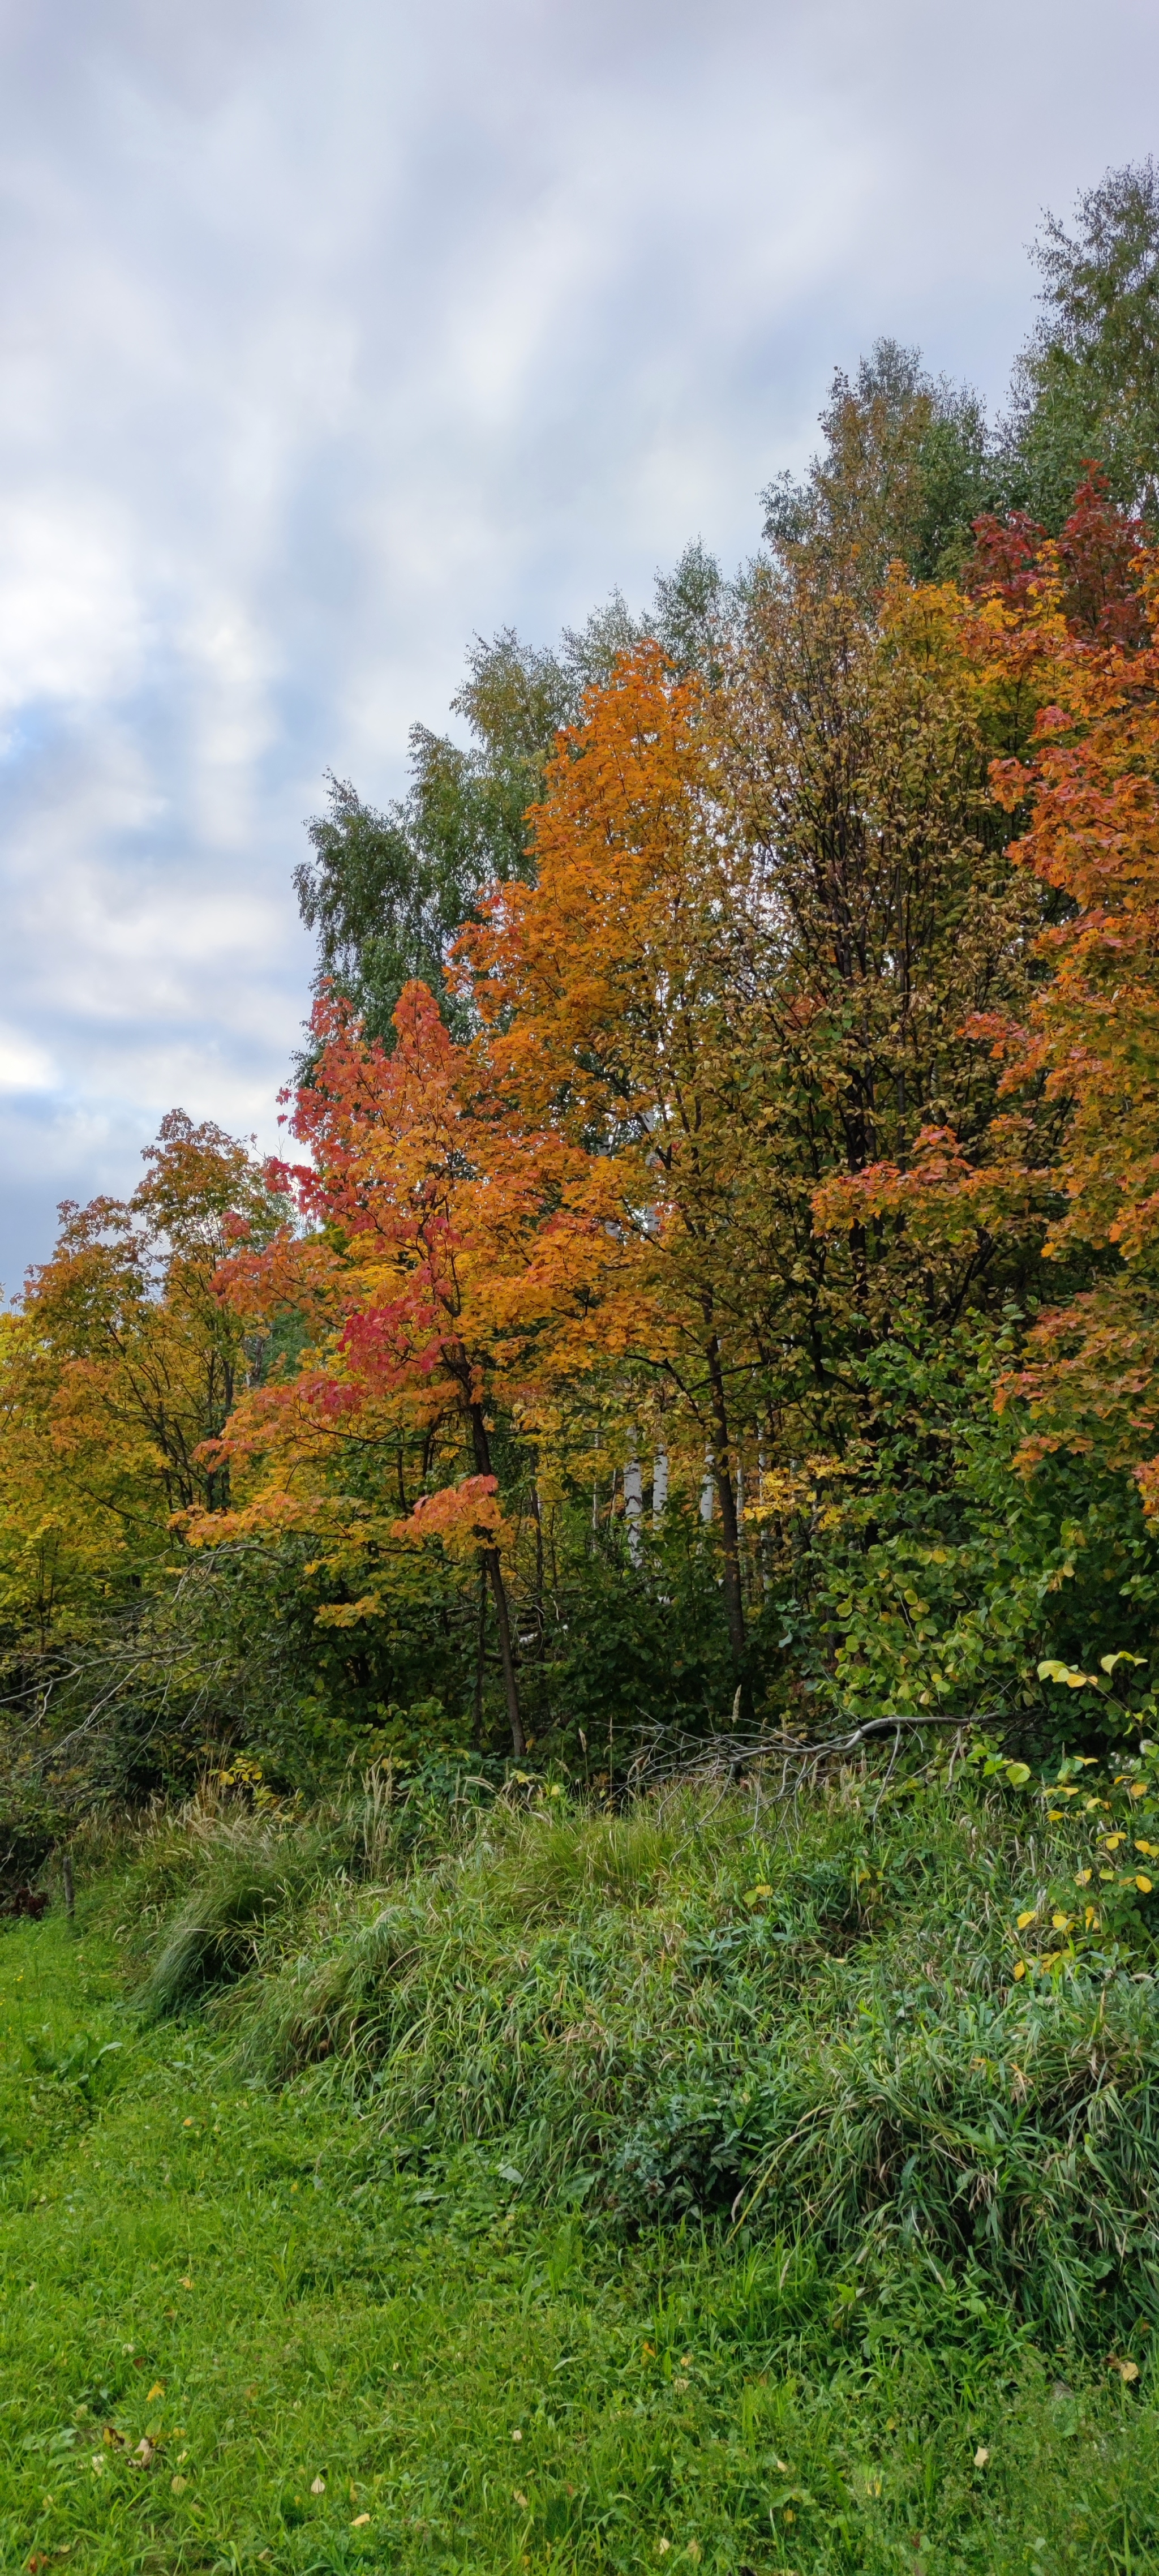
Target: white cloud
24,1065
71,622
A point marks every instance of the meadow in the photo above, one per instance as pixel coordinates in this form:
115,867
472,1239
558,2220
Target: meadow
408,2186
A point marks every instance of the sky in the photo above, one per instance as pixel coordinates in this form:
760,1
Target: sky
335,332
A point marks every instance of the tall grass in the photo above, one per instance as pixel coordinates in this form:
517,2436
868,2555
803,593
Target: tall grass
687,2012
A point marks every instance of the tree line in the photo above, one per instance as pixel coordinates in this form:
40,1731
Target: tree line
720,1270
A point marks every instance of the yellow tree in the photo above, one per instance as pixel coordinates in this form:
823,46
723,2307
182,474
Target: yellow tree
121,1362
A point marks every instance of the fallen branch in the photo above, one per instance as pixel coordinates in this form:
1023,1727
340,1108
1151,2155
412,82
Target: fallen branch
661,1758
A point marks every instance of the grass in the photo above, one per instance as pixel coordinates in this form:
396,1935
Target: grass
359,2318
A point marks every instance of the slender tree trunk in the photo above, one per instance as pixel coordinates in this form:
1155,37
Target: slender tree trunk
506,1654
726,1497
494,1570
480,1656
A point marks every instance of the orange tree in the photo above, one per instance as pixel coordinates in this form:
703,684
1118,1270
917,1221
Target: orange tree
1074,622
604,989
460,1267
763,908
1062,637
1090,795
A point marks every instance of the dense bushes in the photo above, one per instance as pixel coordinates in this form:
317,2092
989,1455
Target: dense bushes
704,2010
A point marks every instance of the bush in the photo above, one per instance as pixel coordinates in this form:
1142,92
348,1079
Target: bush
684,2013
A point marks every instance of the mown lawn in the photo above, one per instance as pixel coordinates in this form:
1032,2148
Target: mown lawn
234,2337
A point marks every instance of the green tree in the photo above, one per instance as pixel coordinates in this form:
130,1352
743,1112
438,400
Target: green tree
1087,384
908,463
387,892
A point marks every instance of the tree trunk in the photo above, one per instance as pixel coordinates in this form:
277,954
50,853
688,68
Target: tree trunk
480,1658
494,1570
726,1497
506,1655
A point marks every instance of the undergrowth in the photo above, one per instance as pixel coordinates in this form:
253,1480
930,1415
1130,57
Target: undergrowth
519,2189
805,2025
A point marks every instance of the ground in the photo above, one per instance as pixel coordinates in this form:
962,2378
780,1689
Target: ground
234,2337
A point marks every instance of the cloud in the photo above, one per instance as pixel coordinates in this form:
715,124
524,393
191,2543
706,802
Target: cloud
335,333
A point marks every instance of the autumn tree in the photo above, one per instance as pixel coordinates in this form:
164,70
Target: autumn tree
1079,1066
765,906
386,891
461,1266
907,464
601,988
119,1364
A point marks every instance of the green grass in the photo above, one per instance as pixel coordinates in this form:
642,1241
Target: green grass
359,2276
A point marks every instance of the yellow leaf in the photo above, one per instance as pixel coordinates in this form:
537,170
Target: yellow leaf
1143,1884
1026,1918
1020,1967
981,2456
157,2390
359,2520
318,2486
1082,1878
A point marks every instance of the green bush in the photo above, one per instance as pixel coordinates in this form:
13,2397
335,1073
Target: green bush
697,2011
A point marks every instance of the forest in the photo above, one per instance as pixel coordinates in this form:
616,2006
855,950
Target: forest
712,1275
579,1797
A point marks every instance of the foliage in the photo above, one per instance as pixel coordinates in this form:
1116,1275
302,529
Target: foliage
397,2332
466,1262
387,893
917,1570
1087,385
119,1363
1084,1051
908,464
835,2023
721,1255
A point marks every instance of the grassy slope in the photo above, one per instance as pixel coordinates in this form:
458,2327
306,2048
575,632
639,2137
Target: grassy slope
185,2249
